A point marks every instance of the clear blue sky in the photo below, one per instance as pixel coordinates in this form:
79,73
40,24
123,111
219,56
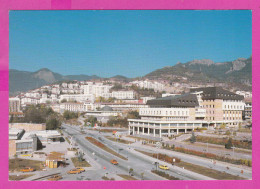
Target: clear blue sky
129,43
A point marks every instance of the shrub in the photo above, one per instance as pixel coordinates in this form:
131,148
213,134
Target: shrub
192,138
165,175
229,144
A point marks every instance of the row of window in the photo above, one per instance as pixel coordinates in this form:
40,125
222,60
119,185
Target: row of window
231,118
166,112
233,107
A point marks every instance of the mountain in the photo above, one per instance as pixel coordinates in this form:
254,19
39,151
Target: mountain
81,77
238,71
21,81
119,78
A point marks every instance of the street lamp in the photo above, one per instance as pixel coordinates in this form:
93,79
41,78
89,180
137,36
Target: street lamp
158,145
173,161
233,147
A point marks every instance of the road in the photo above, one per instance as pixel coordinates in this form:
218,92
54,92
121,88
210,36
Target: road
139,162
219,166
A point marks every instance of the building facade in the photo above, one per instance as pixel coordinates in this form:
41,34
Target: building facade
221,106
168,116
14,105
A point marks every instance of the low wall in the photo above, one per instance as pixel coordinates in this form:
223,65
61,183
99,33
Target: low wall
28,126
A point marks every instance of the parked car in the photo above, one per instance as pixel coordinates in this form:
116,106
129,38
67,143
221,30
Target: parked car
114,162
55,178
27,169
74,171
164,167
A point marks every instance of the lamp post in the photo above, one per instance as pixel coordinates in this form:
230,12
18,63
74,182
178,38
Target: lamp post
158,145
233,147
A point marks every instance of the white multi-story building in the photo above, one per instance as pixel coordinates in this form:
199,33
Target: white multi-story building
55,90
14,105
123,94
157,86
246,94
78,97
74,107
221,106
32,94
145,99
97,89
168,116
28,101
64,85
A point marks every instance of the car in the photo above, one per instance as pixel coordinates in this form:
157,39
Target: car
164,167
74,171
27,169
114,162
80,169
55,177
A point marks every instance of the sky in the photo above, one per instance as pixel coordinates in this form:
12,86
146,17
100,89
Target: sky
131,43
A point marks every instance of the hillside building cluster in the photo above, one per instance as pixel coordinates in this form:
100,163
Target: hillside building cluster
168,115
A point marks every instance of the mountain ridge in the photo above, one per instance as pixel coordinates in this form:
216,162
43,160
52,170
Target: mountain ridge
204,70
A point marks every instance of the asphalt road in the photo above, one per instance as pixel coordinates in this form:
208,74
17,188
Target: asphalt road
139,162
219,166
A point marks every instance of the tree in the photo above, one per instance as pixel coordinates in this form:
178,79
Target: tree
11,119
63,100
228,132
70,115
92,120
131,170
223,126
193,138
133,115
229,144
53,123
80,156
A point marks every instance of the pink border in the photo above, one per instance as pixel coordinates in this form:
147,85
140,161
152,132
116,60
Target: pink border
7,5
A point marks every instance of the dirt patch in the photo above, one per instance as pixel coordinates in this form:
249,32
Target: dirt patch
119,140
20,177
208,172
127,177
18,163
78,163
104,147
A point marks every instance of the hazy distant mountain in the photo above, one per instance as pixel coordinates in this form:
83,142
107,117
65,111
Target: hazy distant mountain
20,81
239,71
81,77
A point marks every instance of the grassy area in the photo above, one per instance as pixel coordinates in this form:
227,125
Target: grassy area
104,147
72,149
119,140
18,163
73,122
245,130
162,157
214,156
219,147
67,139
106,178
140,138
208,172
107,130
20,177
78,163
223,141
164,175
127,177
200,169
